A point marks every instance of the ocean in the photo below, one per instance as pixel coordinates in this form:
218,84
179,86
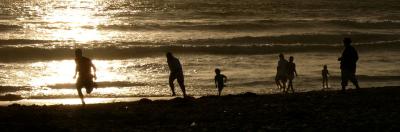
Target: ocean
127,41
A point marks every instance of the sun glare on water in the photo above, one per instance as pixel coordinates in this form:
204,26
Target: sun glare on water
57,79
62,72
55,72
74,20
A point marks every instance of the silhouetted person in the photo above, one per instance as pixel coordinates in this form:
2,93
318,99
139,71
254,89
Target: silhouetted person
292,73
348,64
220,79
85,76
176,72
325,74
281,73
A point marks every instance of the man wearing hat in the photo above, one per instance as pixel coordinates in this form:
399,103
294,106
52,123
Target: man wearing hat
348,64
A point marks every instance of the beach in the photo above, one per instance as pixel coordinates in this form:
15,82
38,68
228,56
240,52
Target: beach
370,109
126,42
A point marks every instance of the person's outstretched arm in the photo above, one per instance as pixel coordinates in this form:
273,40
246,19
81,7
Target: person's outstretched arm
216,82
94,70
295,71
76,71
225,78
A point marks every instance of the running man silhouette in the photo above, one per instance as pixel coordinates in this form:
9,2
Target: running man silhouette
85,78
325,74
281,73
348,64
176,72
219,79
292,73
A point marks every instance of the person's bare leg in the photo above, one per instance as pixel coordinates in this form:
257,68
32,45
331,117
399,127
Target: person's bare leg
327,84
182,85
290,87
355,82
171,84
281,86
284,86
81,95
278,84
344,80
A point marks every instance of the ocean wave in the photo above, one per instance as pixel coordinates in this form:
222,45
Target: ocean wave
254,83
13,54
373,78
100,84
251,25
6,89
305,39
150,68
311,80
302,38
34,50
9,27
365,24
24,41
10,97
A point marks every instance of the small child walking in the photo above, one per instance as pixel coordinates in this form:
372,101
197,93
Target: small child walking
292,73
220,79
325,74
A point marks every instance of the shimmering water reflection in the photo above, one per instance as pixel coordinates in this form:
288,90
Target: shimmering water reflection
148,77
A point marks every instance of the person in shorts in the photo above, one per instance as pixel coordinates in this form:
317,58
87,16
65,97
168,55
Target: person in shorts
84,71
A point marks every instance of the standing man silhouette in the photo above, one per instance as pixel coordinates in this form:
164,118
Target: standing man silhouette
176,72
85,78
348,64
281,73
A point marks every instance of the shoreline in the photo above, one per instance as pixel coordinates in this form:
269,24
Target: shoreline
11,99
370,109
76,101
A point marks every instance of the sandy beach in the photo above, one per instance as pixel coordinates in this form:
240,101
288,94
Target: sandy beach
132,51
370,109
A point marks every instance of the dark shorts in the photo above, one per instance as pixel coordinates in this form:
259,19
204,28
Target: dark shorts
178,76
281,78
87,83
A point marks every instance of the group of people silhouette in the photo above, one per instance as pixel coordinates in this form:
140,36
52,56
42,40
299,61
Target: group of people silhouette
286,72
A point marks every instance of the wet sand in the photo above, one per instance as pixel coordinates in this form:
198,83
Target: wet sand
15,99
370,109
